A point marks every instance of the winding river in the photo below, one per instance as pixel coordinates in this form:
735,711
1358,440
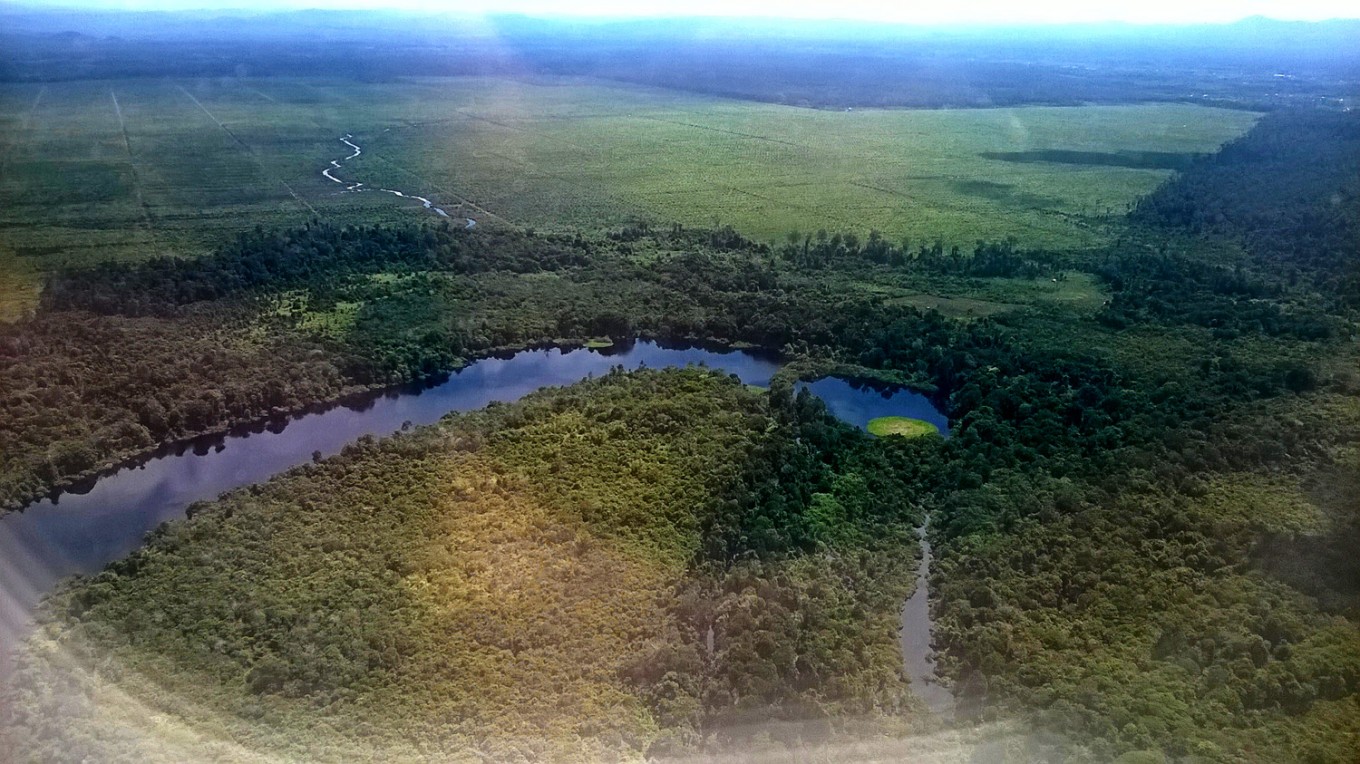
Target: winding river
81,532
336,164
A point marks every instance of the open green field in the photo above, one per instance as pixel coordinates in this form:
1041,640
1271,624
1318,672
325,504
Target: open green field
127,169
901,425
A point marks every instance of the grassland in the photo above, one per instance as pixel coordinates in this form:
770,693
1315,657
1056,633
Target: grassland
129,169
901,425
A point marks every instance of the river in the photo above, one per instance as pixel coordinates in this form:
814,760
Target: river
81,532
915,634
336,164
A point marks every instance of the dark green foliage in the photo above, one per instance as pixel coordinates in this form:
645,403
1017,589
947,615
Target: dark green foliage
1149,160
333,598
1289,190
314,256
1178,289
987,260
1088,579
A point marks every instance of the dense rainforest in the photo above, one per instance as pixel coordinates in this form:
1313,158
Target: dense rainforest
1142,515
643,562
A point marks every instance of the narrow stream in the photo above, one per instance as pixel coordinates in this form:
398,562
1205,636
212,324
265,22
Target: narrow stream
336,164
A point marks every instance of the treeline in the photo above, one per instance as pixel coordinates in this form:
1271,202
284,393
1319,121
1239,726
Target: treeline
313,256
1231,301
838,249
1289,190
987,259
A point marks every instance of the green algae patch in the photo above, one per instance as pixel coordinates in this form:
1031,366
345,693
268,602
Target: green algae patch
901,425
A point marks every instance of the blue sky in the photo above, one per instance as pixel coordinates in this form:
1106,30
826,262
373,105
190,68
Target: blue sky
903,11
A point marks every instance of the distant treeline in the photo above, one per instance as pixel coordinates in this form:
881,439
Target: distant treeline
317,254
839,66
425,297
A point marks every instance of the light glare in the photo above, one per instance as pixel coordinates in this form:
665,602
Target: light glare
970,12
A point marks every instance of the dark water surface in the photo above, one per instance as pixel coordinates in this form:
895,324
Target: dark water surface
856,403
82,532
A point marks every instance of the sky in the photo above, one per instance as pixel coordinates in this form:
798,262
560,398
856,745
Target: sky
895,11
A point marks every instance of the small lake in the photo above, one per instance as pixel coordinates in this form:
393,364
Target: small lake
857,403
82,531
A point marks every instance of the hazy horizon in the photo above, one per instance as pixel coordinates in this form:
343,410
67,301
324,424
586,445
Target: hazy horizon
980,13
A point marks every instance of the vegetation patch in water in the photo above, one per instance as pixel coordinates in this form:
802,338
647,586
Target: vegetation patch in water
901,425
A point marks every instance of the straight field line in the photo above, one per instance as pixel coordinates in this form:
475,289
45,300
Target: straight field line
887,191
28,120
333,96
753,136
590,191
427,184
471,117
793,206
136,179
249,151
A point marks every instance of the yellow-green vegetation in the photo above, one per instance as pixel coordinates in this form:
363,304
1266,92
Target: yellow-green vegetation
99,170
966,298
900,425
333,321
528,581
582,155
1268,504
19,287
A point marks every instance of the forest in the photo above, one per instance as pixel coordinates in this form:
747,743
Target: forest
1142,516
502,578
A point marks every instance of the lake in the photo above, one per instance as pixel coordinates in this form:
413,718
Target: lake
82,531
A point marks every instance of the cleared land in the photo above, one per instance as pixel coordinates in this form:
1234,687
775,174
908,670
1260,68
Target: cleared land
130,169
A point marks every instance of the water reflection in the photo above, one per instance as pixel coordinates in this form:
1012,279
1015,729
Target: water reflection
84,528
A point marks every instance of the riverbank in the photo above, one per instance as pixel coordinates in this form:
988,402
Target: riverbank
352,395
505,573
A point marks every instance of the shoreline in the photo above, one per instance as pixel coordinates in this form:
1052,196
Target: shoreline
84,481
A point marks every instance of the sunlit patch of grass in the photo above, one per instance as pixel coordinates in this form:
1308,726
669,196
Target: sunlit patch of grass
333,322
901,425
1071,289
19,287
